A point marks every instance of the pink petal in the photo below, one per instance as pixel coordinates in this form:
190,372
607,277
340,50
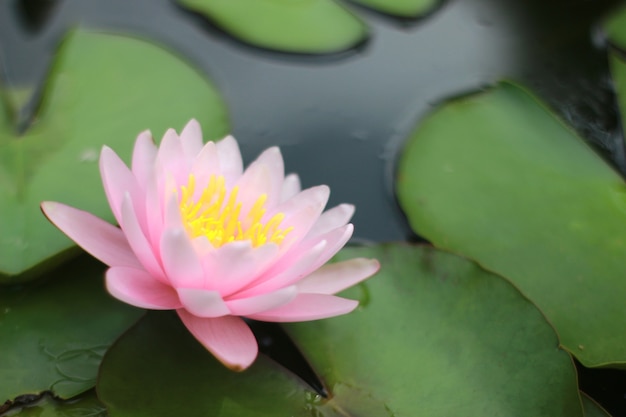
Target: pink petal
335,217
301,260
236,264
154,215
206,163
228,338
138,288
307,307
102,240
274,279
231,164
252,184
117,180
332,278
335,240
138,240
263,302
144,155
180,260
203,303
301,213
171,159
291,187
191,139
264,176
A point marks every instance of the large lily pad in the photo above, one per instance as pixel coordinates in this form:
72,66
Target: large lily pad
102,89
497,177
311,26
401,8
54,333
435,336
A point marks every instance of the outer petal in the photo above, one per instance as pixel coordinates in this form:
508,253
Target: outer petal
264,176
180,261
336,239
205,164
236,264
307,307
274,279
332,278
144,155
136,287
101,239
191,139
138,240
331,219
231,164
291,187
301,212
301,260
117,180
263,302
203,303
170,158
228,338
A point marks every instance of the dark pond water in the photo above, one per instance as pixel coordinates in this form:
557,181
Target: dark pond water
341,119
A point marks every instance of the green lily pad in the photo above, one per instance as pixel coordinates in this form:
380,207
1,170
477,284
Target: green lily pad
102,89
54,333
497,177
401,8
592,409
615,28
309,26
435,335
85,405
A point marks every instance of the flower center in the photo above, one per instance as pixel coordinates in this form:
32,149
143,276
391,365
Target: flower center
217,215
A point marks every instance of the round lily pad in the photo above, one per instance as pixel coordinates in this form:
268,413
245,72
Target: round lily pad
497,177
310,26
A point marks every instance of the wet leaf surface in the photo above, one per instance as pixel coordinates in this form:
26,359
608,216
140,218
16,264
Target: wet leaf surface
497,177
401,8
85,405
54,333
56,158
314,26
457,324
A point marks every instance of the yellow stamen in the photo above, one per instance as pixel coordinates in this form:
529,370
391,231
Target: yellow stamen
220,219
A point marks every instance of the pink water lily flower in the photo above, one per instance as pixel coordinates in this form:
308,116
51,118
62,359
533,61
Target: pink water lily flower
201,236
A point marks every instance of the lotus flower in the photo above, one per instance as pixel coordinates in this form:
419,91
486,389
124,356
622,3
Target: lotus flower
201,236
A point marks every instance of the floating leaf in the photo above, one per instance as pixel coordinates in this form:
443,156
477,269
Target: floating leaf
312,26
401,8
435,336
54,333
102,89
498,178
85,405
